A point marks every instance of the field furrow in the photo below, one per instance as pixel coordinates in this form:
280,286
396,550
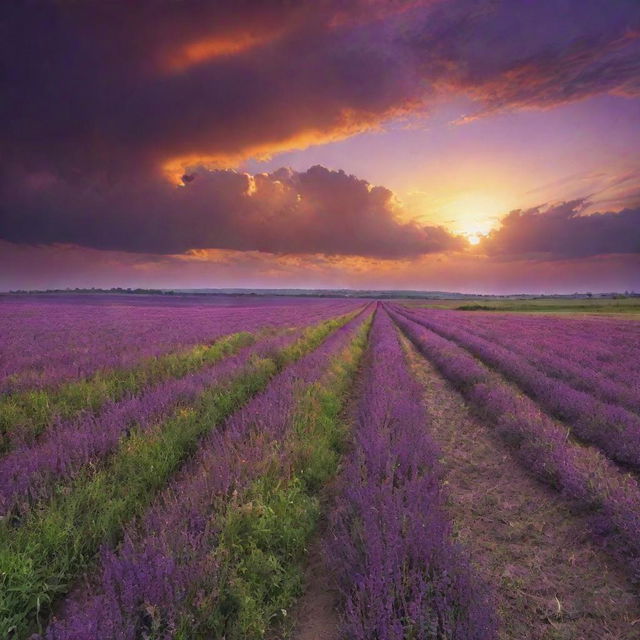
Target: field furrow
24,414
551,580
582,474
30,473
615,384
50,343
27,415
615,430
40,559
390,544
217,554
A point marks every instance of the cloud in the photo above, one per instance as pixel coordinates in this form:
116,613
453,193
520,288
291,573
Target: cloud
94,86
101,100
315,211
55,266
99,88
564,231
510,55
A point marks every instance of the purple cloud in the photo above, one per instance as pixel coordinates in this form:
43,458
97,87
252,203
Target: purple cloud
103,87
316,211
98,98
563,231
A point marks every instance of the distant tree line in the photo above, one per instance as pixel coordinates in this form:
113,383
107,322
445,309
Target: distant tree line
126,290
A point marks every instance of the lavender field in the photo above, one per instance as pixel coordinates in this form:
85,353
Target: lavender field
316,469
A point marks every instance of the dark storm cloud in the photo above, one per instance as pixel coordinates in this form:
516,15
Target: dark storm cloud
99,97
317,211
104,85
95,86
562,231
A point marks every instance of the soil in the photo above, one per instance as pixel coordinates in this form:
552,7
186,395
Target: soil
552,582
315,614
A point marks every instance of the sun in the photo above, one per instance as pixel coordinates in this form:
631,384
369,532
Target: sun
474,214
474,238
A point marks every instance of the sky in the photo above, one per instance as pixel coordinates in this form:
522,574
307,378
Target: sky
488,146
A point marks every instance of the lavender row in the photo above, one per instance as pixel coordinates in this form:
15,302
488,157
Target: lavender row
24,416
582,474
541,352
613,429
29,473
607,330
46,343
399,572
555,338
608,337
165,560
603,348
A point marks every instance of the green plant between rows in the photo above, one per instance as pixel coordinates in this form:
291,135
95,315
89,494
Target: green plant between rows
40,560
33,411
264,537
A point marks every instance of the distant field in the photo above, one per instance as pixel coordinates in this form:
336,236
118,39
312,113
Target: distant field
570,305
298,469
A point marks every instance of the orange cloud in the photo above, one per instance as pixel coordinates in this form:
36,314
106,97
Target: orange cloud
347,123
218,47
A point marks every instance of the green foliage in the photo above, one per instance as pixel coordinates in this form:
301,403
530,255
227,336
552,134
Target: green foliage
33,411
262,544
263,541
40,559
615,304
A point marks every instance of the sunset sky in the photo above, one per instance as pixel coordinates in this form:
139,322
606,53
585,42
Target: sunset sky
487,146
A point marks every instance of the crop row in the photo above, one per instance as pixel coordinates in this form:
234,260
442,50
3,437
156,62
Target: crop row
399,571
606,330
24,416
40,559
217,555
582,474
46,343
543,352
613,429
31,472
606,341
617,366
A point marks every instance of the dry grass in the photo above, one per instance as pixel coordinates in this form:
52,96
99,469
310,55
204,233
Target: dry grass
552,582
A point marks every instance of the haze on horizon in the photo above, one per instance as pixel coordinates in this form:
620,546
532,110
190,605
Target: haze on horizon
487,146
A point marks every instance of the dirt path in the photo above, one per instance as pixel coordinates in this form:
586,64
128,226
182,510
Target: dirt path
552,583
315,613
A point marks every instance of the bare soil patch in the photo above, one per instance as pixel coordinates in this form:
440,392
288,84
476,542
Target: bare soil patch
316,617
552,581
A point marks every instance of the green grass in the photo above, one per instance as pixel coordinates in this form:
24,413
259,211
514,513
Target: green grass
264,539
31,412
40,560
539,305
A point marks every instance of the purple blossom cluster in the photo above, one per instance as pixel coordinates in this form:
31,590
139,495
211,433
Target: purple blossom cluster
29,473
582,474
586,361
390,546
612,428
46,342
165,563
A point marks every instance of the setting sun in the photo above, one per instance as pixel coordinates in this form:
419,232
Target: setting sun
474,213
474,238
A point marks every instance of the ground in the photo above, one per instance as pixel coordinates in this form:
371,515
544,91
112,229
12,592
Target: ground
552,582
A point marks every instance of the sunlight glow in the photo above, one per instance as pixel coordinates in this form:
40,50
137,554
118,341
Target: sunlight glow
474,214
